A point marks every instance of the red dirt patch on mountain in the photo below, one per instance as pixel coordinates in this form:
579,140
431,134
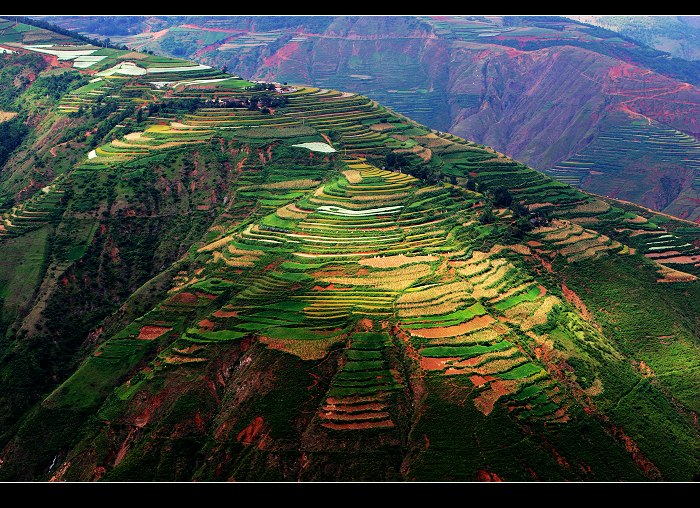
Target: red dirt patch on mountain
365,325
546,264
345,408
150,332
653,255
574,299
624,69
206,324
352,399
497,389
98,472
282,54
452,331
382,424
53,61
650,470
142,419
225,313
183,298
272,265
681,260
61,471
480,380
487,476
330,415
329,287
435,363
247,435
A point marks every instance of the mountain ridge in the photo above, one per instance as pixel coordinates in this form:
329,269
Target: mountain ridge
465,75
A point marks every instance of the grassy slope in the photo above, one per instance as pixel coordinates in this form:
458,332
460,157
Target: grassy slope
21,271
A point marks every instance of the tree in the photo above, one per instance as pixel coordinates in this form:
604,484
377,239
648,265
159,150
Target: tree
224,69
395,160
502,197
519,210
139,116
521,226
487,216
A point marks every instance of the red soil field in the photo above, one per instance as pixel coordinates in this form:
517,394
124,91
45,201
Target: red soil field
206,324
150,332
183,299
247,435
574,299
352,416
480,380
486,476
452,331
347,408
225,313
498,388
383,424
352,399
436,363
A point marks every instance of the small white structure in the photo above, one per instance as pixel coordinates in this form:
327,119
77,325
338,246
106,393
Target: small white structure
317,147
125,68
339,210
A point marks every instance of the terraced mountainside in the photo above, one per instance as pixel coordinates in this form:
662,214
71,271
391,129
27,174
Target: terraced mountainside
209,279
677,35
546,91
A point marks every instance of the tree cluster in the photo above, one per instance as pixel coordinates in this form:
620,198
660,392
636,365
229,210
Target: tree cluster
12,133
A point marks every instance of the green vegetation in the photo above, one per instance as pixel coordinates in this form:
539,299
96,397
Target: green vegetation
12,133
230,306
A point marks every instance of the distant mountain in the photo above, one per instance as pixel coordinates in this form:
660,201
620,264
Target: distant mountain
581,103
204,278
677,35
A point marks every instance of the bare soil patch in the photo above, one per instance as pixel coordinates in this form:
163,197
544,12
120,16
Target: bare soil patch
150,332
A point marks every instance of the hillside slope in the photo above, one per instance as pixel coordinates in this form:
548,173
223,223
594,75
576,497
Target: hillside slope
240,282
547,91
677,35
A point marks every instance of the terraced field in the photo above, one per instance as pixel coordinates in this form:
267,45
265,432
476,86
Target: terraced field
613,149
360,394
34,212
370,244
603,166
361,290
139,144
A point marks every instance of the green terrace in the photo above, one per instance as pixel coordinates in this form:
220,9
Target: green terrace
613,150
44,206
361,394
